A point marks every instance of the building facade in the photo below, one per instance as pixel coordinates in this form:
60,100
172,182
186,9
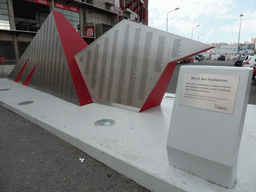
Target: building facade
21,19
233,49
253,40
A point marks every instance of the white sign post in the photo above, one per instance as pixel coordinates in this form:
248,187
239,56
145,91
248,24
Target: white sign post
207,121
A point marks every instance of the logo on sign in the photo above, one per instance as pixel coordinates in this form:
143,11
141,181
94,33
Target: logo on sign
59,5
89,31
43,2
73,9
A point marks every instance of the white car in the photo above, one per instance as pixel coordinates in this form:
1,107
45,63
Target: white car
250,61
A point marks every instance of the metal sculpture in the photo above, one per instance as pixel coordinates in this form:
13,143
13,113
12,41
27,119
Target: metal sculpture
129,66
48,63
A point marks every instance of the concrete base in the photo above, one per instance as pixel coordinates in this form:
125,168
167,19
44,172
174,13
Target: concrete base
221,174
5,70
135,146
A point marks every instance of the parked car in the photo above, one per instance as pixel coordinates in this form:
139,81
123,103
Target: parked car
187,60
201,56
250,61
254,72
198,58
239,60
221,58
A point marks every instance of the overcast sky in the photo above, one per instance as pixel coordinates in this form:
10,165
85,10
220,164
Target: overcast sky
218,19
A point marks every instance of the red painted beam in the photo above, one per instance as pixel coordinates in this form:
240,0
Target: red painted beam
17,79
123,5
138,9
129,5
142,10
27,80
156,96
72,44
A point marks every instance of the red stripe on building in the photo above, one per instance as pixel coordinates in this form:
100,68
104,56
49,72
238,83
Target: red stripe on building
44,2
67,7
72,44
27,80
21,71
58,5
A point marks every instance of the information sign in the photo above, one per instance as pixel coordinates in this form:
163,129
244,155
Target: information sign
209,91
207,121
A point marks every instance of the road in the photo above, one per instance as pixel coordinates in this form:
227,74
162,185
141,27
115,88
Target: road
173,83
33,159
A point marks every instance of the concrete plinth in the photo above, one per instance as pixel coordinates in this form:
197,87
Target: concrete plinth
135,146
5,70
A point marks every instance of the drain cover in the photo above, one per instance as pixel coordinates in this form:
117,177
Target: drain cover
105,122
5,89
25,102
169,97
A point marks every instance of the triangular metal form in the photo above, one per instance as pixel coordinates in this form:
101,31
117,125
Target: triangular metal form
48,63
131,65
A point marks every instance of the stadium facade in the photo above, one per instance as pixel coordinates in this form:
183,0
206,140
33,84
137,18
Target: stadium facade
21,19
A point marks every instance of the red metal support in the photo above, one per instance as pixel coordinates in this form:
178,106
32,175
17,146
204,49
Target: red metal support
129,5
135,9
123,4
142,10
139,9
146,12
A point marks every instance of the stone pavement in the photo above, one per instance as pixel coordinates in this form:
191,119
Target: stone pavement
33,159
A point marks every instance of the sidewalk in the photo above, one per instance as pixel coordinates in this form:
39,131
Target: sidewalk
135,146
33,159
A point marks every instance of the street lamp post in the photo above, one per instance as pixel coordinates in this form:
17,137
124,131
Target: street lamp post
199,36
192,31
51,4
167,17
239,31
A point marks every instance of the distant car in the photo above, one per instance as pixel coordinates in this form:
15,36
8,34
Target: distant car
239,60
187,60
250,61
254,73
221,58
201,57
198,58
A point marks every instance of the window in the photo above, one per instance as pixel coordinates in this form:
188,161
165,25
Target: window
71,16
7,50
29,16
4,17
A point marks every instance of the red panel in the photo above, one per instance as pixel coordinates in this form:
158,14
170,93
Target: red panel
58,5
158,92
21,71
72,44
156,96
27,80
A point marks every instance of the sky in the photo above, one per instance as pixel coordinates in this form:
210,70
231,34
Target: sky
218,20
